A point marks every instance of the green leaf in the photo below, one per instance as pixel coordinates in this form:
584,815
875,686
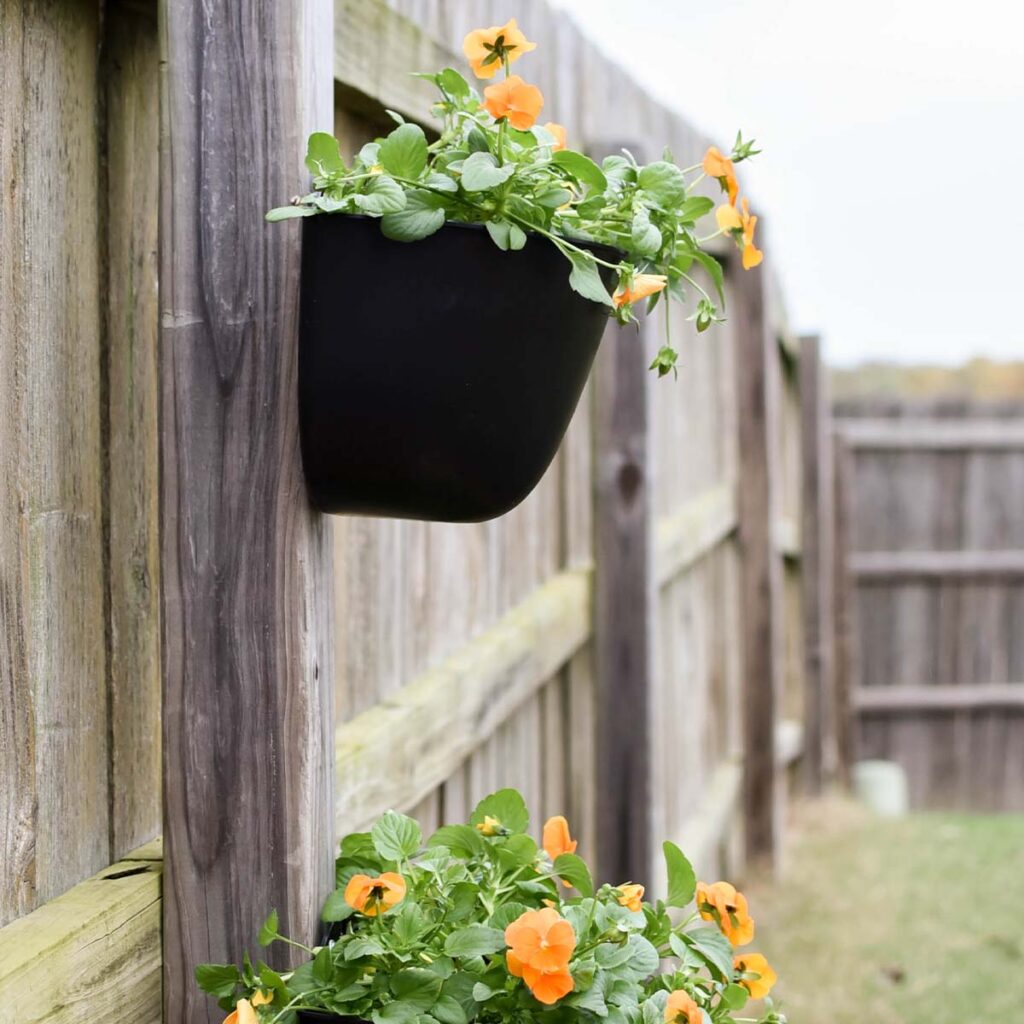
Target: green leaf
287,212
453,83
408,922
682,882
395,1012
460,987
383,195
448,1010
499,231
462,840
504,915
323,966
464,899
477,140
218,980
507,807
474,940
518,850
423,215
586,280
416,986
441,182
592,998
714,948
618,169
481,171
269,930
396,836
335,907
573,870
664,183
645,236
552,198
734,997
643,958
714,269
582,168
358,846
694,208
361,945
323,156
516,238
404,152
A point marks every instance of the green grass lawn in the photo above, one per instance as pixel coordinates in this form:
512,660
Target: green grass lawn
919,921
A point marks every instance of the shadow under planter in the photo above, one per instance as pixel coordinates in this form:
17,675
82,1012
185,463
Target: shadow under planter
436,378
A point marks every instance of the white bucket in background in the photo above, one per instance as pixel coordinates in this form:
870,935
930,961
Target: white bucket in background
882,786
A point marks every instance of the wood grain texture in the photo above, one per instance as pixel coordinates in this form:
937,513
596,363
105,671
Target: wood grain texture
396,752
938,697
933,434
688,535
816,567
92,952
53,739
623,607
245,563
888,565
757,398
131,80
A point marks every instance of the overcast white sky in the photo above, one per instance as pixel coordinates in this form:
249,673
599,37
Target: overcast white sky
892,177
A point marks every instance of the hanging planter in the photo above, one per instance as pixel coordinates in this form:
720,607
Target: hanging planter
436,380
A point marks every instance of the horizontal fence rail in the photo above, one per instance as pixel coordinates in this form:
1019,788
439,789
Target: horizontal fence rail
883,566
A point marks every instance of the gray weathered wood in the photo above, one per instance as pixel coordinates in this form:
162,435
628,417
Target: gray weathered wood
816,564
623,599
131,78
761,566
889,565
938,697
245,567
54,812
933,434
687,536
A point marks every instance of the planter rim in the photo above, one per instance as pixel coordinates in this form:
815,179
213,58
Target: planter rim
599,247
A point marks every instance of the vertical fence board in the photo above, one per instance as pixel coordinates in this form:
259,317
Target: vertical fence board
245,571
54,818
131,70
761,566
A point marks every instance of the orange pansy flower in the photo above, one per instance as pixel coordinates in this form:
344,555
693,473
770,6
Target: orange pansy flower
717,165
541,943
487,48
514,99
556,839
372,896
681,1007
642,286
558,131
761,976
631,895
741,225
720,902
243,1013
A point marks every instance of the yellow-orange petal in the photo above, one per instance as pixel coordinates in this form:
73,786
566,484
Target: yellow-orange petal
548,986
752,257
632,896
558,131
755,963
556,839
728,218
261,998
358,890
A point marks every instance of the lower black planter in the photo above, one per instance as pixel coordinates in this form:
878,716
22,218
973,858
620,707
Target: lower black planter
436,378
318,1017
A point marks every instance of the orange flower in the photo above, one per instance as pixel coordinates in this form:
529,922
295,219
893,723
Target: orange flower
631,895
762,976
371,896
718,166
515,100
681,1007
487,48
721,902
741,226
243,1013
559,133
556,839
642,286
541,943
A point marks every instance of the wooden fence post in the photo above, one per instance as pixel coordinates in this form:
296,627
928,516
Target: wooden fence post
245,578
844,612
623,600
817,566
757,401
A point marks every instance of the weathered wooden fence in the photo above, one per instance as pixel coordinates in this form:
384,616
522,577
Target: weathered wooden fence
932,499
627,646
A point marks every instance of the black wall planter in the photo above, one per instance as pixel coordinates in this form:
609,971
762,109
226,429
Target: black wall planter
436,378
320,1017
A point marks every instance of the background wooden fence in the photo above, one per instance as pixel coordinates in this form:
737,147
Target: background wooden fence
648,596
934,570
